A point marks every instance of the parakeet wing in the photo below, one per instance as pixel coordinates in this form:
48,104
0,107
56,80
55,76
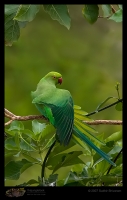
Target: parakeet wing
60,106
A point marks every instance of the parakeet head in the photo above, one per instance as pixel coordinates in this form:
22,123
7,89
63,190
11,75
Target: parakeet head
54,77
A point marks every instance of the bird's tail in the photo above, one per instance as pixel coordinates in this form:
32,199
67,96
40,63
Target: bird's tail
85,139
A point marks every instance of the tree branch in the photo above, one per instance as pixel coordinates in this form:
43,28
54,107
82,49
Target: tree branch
101,109
113,9
109,122
13,117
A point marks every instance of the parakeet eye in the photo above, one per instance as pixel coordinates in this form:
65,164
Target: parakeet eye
54,77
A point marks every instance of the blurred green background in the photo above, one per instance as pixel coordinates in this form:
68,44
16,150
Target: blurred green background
88,56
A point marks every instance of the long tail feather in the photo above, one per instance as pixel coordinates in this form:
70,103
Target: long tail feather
86,140
79,118
83,127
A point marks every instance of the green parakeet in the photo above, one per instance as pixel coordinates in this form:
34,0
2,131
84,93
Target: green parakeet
58,107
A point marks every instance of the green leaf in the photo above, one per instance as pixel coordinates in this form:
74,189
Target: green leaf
120,142
60,182
78,110
26,166
63,160
24,145
119,106
26,12
107,10
77,107
13,169
9,153
117,171
48,130
16,125
48,143
120,6
114,137
116,149
17,141
59,13
74,184
110,144
55,160
22,24
72,177
81,117
72,158
117,16
59,149
53,178
78,168
11,9
30,182
30,158
10,132
12,30
75,179
11,145
91,12
80,114
101,166
17,155
37,127
109,179
29,133
84,173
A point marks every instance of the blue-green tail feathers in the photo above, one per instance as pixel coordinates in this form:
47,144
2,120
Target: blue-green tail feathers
85,139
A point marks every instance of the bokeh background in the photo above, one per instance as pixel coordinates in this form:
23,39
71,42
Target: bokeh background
88,56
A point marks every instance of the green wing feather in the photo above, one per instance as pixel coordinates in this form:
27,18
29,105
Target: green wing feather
64,118
59,111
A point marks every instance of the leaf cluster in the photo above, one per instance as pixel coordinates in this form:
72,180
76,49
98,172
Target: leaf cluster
17,16
26,148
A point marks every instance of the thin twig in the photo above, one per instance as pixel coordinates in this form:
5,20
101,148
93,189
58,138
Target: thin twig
109,122
115,160
99,16
113,9
43,165
9,122
8,113
96,111
119,183
13,117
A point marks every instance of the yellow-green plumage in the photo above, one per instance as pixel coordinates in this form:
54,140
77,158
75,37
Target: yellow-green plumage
57,106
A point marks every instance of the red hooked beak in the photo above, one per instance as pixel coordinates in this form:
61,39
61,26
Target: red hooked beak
60,80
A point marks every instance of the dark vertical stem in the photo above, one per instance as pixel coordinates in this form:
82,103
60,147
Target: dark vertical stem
43,165
115,160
